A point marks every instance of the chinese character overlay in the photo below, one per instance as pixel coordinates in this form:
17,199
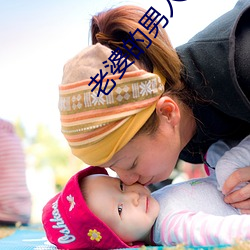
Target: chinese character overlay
150,22
118,60
150,18
99,82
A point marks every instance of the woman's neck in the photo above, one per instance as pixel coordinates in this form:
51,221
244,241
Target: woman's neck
187,125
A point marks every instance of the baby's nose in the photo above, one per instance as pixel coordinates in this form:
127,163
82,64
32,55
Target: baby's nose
133,197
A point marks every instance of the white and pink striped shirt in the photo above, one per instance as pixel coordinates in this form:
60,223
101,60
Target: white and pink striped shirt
194,212
15,200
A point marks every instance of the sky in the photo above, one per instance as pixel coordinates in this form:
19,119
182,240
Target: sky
38,37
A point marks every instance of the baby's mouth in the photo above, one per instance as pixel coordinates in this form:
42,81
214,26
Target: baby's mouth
147,203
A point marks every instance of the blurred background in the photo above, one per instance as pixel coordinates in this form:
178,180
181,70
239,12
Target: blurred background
37,38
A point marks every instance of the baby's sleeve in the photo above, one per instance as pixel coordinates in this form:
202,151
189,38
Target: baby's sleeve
214,153
233,159
201,229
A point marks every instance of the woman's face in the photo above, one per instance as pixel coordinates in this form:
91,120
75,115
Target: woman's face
147,159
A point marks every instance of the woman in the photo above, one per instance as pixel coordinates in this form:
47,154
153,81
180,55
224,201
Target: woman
205,97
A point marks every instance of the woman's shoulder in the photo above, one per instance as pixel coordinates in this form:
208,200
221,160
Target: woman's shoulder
209,65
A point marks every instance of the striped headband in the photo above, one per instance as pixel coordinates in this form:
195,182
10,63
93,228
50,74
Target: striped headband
96,127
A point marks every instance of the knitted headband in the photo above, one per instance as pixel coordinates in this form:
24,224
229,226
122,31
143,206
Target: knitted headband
96,127
69,223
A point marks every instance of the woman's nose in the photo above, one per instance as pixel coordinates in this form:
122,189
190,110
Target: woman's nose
126,177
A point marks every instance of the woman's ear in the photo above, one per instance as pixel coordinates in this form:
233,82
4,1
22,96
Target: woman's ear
168,110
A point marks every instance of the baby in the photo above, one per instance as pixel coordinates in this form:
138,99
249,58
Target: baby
96,211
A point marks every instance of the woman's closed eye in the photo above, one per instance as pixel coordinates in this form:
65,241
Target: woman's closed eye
120,206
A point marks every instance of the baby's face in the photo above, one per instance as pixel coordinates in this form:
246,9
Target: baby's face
130,211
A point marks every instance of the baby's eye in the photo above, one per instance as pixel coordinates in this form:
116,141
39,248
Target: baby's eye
120,206
121,186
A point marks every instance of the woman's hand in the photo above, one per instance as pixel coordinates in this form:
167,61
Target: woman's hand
240,198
